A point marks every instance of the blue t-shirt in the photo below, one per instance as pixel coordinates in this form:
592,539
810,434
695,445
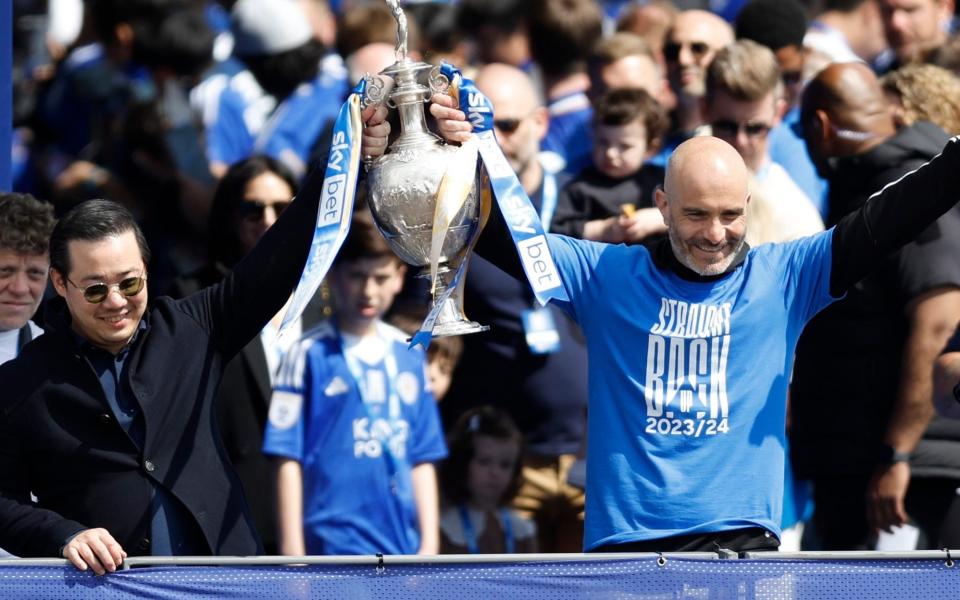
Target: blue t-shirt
356,448
570,134
688,384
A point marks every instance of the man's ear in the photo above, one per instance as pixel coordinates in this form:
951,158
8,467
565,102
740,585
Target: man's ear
779,109
59,282
660,198
541,120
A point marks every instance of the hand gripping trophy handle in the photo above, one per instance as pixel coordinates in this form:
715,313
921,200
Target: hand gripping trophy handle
405,185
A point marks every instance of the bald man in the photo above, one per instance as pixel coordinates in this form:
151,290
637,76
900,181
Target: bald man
692,42
868,360
543,389
691,344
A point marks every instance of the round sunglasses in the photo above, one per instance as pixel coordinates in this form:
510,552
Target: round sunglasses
95,293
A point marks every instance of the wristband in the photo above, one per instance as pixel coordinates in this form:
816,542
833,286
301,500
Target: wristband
889,455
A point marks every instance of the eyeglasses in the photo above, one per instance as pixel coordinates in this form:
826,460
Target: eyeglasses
253,210
791,77
507,125
671,50
729,129
95,293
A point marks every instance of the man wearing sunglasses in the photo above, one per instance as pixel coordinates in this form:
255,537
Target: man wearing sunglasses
693,40
743,103
25,225
108,417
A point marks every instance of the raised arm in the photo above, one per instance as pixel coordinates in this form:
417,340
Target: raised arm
894,216
240,306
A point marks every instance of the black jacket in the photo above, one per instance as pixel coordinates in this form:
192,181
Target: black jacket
848,360
242,404
59,440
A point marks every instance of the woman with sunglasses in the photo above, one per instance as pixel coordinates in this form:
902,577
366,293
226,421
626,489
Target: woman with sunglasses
247,202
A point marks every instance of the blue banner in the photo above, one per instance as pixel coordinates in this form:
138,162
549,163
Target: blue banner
518,212
336,204
6,93
646,578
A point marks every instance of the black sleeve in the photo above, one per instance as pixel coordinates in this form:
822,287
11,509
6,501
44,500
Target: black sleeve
496,245
238,307
894,216
571,213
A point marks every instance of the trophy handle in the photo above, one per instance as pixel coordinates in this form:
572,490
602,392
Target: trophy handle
377,91
438,82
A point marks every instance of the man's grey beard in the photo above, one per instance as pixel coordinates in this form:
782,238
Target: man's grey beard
717,268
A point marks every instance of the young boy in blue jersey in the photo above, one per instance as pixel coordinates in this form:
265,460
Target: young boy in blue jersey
352,423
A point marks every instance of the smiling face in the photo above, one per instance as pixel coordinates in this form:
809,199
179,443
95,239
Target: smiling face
704,205
111,323
23,278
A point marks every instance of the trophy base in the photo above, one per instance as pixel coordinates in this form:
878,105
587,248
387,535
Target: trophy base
452,321
458,328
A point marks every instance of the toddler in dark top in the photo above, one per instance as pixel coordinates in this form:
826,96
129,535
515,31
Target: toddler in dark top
612,201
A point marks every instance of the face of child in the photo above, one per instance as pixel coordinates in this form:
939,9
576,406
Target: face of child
619,150
440,373
491,470
363,290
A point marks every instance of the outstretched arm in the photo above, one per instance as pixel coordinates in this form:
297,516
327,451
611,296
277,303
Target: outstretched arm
894,216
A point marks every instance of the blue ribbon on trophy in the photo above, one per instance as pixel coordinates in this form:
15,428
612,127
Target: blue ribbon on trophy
518,212
336,204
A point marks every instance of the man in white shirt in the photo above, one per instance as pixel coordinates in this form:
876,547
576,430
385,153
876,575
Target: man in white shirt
25,226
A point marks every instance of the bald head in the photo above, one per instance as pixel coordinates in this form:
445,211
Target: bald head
844,112
507,87
704,204
692,42
706,165
520,119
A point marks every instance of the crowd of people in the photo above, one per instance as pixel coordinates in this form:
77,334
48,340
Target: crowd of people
751,206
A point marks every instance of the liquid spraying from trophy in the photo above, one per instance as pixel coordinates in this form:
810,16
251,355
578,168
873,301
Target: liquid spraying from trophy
423,194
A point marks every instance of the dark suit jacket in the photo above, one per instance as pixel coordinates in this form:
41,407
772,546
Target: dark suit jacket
241,407
59,440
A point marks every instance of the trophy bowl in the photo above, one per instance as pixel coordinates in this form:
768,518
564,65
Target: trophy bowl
403,187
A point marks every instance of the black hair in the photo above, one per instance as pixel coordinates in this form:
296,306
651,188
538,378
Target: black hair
280,74
25,224
183,41
223,242
775,24
363,240
438,26
482,420
563,33
506,15
622,106
92,221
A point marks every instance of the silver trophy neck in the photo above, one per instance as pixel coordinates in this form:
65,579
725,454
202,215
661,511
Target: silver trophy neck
409,96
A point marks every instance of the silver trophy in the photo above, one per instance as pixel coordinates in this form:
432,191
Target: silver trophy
404,183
